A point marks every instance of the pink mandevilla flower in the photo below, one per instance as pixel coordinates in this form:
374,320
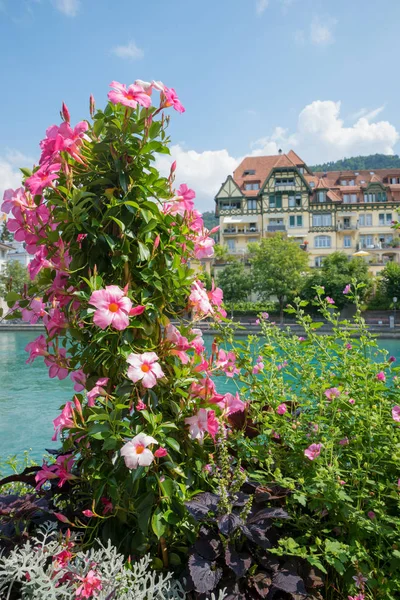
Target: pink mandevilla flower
43,178
330,300
36,348
203,422
347,289
90,586
145,368
229,403
313,451
396,413
113,308
131,96
63,421
136,453
79,379
171,99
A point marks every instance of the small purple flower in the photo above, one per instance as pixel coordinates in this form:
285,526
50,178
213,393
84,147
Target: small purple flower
392,359
360,580
381,376
301,339
284,364
265,315
349,346
352,401
330,300
344,441
347,289
371,515
257,321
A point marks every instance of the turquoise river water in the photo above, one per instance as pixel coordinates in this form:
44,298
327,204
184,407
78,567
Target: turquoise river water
29,400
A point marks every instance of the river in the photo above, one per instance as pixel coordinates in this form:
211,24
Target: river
29,400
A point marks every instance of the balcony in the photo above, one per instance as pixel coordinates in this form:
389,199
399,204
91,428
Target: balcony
240,231
342,227
273,228
284,185
321,228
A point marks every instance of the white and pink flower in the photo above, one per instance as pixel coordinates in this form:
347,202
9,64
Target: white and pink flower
136,452
145,368
203,422
113,307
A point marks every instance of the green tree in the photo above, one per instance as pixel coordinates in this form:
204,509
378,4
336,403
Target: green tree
235,281
278,268
221,253
13,279
5,236
336,272
389,286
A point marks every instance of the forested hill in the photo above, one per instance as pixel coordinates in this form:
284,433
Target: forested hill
210,220
361,163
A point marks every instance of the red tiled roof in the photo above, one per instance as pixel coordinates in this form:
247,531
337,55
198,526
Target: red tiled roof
262,165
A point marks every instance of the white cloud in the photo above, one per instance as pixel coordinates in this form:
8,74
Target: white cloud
129,51
67,7
261,6
320,136
321,34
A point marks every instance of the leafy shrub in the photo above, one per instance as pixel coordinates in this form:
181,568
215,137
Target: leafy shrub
112,240
251,308
323,420
237,530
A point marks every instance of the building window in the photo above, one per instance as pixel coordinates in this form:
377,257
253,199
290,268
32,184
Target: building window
252,227
321,219
343,182
322,241
301,170
251,204
394,180
249,172
366,241
321,196
251,186
365,220
275,201
376,197
312,184
349,198
295,221
347,241
291,201
284,182
230,205
385,219
318,261
231,245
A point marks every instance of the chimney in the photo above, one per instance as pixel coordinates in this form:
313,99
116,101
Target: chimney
280,151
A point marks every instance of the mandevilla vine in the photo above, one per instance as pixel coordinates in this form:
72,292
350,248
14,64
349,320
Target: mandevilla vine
112,241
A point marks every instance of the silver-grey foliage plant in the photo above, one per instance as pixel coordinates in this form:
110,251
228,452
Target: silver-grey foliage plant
31,570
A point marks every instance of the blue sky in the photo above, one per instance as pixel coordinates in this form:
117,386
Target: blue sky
254,75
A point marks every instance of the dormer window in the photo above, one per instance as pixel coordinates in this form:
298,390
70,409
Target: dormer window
249,172
321,196
312,184
251,186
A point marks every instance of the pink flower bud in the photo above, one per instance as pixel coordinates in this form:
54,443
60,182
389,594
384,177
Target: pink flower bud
65,113
61,517
156,242
160,452
88,513
137,310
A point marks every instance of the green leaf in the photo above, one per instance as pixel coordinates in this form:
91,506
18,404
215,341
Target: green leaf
144,252
173,444
157,523
120,224
12,298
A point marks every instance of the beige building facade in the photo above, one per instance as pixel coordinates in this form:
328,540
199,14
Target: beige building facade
324,212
